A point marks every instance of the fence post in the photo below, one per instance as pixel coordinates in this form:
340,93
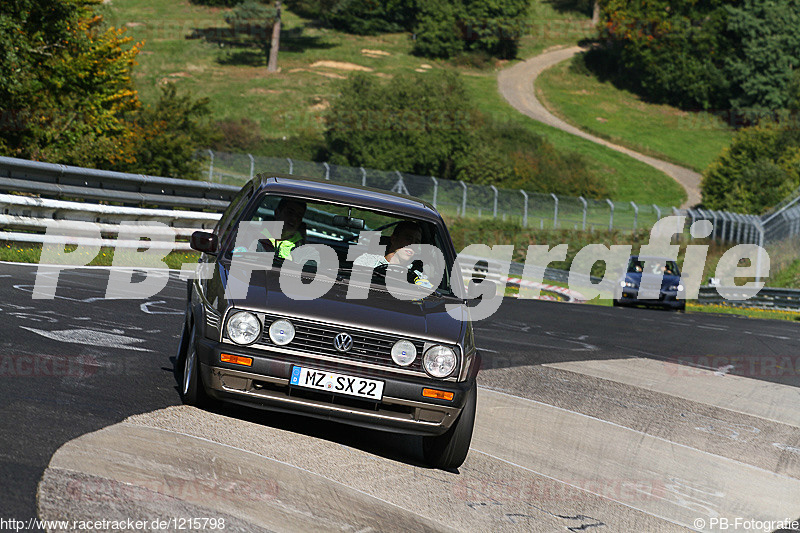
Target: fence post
739,225
363,177
435,190
680,227
525,210
635,215
494,209
327,170
291,166
211,166
463,199
252,165
760,248
610,218
400,186
555,211
585,205
658,212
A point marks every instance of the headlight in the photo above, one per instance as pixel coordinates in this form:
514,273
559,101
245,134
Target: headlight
439,361
628,284
281,332
243,328
676,288
404,353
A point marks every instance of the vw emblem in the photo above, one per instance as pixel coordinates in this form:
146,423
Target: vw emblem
343,342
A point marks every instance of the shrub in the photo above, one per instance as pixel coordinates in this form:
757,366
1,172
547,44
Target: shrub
437,33
419,123
761,167
427,124
168,134
370,17
242,135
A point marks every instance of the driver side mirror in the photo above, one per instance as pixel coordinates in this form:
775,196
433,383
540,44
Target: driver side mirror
205,242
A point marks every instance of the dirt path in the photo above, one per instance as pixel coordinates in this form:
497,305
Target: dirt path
516,85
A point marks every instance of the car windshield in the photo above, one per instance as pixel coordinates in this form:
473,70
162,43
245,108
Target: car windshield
404,242
652,265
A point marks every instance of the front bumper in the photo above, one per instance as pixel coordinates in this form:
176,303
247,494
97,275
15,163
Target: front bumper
629,296
266,385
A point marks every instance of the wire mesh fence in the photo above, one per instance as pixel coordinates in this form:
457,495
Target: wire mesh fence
528,208
450,197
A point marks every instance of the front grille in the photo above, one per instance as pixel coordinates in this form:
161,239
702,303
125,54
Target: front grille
368,347
212,318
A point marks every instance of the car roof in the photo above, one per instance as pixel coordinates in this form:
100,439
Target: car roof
355,195
644,257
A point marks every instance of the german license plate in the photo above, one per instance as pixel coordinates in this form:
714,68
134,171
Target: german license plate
339,383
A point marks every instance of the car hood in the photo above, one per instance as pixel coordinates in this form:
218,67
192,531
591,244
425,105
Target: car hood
638,278
427,318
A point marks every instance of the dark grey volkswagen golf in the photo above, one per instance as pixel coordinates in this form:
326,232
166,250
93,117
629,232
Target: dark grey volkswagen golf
336,302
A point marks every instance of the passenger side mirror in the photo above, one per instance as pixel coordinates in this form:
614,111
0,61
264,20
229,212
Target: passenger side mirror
205,242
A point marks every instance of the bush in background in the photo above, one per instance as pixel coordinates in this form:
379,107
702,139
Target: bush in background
428,125
441,28
708,55
759,169
167,135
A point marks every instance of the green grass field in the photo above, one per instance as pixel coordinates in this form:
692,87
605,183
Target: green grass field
294,100
690,139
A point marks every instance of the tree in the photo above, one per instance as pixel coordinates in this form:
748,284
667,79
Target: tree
66,80
711,54
371,17
495,26
768,51
437,33
275,45
254,22
760,168
66,95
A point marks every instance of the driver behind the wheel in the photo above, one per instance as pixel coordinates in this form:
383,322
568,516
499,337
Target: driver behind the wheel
291,213
400,250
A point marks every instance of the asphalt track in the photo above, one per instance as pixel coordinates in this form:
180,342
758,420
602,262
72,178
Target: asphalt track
589,418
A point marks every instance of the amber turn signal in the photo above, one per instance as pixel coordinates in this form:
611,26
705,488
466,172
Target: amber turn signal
236,359
438,394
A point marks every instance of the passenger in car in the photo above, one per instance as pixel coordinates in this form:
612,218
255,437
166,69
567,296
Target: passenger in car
291,213
399,250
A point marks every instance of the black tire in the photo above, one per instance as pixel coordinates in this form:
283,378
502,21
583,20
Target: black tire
190,382
448,451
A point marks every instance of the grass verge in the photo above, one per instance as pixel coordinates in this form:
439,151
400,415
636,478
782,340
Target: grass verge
31,253
690,139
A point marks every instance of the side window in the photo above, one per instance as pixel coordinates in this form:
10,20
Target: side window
231,214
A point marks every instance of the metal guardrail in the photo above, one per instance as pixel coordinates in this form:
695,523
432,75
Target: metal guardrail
28,217
767,298
61,181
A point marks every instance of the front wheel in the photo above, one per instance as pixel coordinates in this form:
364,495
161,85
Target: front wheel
192,391
449,450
